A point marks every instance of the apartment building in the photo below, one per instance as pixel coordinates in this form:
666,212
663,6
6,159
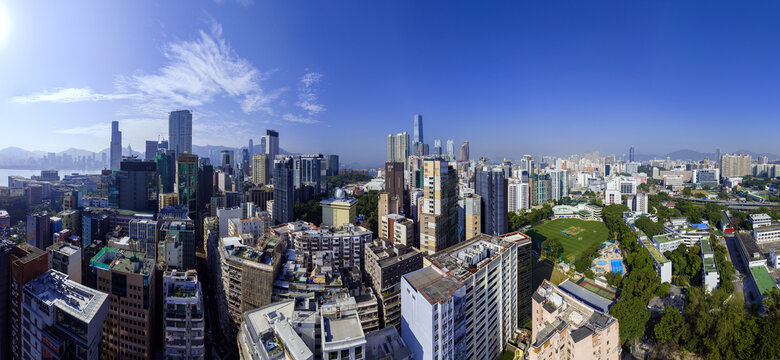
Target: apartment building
386,262
346,242
27,263
62,319
397,229
185,326
65,258
566,327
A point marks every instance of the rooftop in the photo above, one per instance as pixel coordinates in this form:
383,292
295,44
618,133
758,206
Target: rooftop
654,252
749,246
468,257
665,238
55,289
126,261
760,217
386,344
762,278
435,286
764,229
63,248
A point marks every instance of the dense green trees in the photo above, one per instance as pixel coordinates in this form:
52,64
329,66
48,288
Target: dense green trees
649,227
368,207
671,326
552,249
347,178
534,216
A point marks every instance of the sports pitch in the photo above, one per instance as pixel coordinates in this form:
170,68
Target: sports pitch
576,235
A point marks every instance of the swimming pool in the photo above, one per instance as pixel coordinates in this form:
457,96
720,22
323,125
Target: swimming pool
601,263
617,266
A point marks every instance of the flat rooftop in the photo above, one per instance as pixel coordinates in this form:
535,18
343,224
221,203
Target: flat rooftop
760,217
762,278
386,344
706,246
342,328
126,261
749,246
654,252
665,238
55,289
468,257
63,248
764,229
436,287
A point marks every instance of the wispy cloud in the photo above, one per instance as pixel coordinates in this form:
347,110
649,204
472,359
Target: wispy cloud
307,93
99,130
299,119
70,95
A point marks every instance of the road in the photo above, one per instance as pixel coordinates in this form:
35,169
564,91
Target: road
742,281
215,346
737,205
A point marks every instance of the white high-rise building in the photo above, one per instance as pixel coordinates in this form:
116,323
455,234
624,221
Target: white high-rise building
518,196
465,304
180,131
451,149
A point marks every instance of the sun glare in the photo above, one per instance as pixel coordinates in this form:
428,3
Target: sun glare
5,24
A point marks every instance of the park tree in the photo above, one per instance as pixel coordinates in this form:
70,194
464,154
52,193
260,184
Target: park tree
671,326
632,315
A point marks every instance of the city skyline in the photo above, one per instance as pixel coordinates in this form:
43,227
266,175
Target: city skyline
297,80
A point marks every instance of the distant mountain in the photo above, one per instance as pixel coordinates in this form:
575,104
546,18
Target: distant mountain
687,154
212,151
757,155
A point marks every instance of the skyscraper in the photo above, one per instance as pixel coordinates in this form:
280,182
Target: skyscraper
464,151
137,185
116,145
451,149
491,185
187,181
559,182
39,230
284,192
631,154
398,147
27,263
437,147
151,150
180,131
251,148
418,129
439,219
332,165
735,165
272,145
260,169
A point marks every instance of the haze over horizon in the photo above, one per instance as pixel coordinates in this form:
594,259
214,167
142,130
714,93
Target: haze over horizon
520,78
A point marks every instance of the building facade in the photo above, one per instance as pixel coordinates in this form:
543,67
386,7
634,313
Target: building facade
185,327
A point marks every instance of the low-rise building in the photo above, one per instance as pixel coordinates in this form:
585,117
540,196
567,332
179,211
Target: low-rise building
709,273
185,327
62,319
339,210
759,220
662,265
766,234
564,327
667,242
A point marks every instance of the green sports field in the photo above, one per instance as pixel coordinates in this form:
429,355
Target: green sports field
576,235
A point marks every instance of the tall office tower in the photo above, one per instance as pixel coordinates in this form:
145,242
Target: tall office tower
116,145
187,180
464,151
166,171
418,129
272,145
183,301
307,170
136,184
506,167
450,149
390,148
437,147
491,185
332,165
468,302
151,150
386,262
717,156
39,230
395,187
631,157
469,216
180,131
439,215
227,157
27,263
245,162
260,169
57,307
735,165
245,278
527,165
559,182
251,148
570,326
284,192
128,277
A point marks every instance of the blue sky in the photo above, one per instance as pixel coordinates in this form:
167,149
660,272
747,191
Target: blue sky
338,76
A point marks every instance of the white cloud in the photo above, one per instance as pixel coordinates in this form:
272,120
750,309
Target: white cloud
70,95
307,93
299,119
99,130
